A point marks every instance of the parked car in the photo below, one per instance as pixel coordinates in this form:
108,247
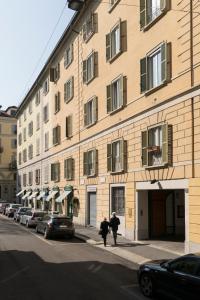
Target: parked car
55,225
31,216
178,278
21,211
3,207
11,208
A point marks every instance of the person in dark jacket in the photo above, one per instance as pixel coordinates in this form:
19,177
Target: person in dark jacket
114,223
104,230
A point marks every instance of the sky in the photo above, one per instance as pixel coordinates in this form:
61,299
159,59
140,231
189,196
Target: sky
25,28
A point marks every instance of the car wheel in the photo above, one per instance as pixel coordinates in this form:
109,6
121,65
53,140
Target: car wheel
146,285
46,234
27,224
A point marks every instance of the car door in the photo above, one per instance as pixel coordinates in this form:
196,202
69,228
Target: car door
44,223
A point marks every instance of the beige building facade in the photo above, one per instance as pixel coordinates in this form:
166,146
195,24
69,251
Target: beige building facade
112,122
8,154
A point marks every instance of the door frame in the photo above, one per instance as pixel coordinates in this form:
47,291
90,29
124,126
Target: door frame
89,189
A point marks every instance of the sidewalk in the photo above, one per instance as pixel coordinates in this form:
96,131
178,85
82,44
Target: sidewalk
135,252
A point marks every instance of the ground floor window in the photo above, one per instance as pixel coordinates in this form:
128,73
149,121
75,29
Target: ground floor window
118,200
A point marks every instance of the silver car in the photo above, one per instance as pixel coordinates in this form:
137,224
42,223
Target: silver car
11,208
30,217
21,211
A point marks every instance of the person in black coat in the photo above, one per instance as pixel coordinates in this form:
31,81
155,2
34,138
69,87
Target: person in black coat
104,230
114,223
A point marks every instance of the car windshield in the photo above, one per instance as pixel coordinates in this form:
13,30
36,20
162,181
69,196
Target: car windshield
23,209
61,221
15,206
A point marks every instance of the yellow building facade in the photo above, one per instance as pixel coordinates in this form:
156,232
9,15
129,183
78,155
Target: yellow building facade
114,115
8,154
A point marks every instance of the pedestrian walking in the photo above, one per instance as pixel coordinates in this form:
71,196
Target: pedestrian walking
104,230
114,223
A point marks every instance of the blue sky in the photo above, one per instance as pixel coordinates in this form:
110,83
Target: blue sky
25,28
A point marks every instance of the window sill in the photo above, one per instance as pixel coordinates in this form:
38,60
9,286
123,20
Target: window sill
152,90
113,6
46,121
116,110
91,176
90,125
114,57
90,80
56,111
68,100
56,144
156,166
86,40
150,24
67,65
117,172
69,179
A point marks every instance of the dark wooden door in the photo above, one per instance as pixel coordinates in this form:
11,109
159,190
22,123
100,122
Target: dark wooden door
157,214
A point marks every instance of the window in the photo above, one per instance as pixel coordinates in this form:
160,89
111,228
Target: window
46,174
55,73
90,67
30,151
37,176
55,172
24,179
30,108
68,56
155,68
90,112
37,98
14,129
185,265
30,128
156,146
24,155
13,143
46,113
69,126
69,169
116,94
24,134
118,200
112,4
46,141
57,102
20,139
69,89
20,158
37,146
30,178
38,121
56,135
90,163
116,41
117,156
89,27
45,86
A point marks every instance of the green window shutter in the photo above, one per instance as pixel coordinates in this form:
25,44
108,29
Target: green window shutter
95,109
58,172
69,126
109,99
163,4
109,157
70,168
96,162
52,74
85,115
145,148
72,87
71,53
93,65
54,136
108,47
58,71
142,13
165,143
84,71
143,75
123,32
84,30
58,100
163,50
85,163
121,147
121,101
65,169
65,91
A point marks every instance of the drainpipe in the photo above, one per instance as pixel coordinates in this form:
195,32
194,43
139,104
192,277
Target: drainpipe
192,82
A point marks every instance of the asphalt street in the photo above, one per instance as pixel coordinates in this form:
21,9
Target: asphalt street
32,268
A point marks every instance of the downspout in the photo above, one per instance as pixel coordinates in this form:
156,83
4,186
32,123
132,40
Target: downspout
192,83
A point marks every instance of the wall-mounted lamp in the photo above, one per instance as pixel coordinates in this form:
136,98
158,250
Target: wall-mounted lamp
75,4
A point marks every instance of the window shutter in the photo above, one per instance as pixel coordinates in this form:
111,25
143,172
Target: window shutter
165,143
142,13
108,47
72,87
84,30
52,70
96,161
95,109
121,91
123,35
85,115
65,91
70,168
58,95
95,64
71,53
58,71
84,71
109,99
69,126
85,163
58,134
109,157
143,75
145,148
93,173
163,49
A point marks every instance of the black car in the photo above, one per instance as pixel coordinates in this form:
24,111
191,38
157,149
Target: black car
55,225
177,279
